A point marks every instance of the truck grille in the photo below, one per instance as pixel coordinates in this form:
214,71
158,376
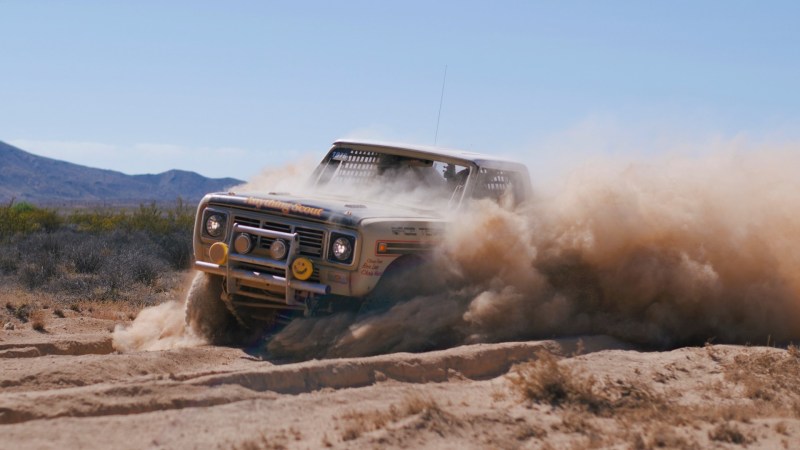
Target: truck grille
261,269
311,240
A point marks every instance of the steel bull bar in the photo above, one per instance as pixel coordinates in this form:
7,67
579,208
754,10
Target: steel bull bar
288,282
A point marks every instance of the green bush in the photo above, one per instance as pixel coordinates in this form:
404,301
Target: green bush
148,218
96,221
24,218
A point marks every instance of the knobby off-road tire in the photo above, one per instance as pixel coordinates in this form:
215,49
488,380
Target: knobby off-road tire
206,313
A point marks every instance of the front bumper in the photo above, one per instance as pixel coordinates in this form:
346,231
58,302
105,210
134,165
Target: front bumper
241,267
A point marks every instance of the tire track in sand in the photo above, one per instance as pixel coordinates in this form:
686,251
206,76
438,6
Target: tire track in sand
247,379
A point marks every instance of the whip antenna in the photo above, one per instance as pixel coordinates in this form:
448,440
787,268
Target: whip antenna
441,98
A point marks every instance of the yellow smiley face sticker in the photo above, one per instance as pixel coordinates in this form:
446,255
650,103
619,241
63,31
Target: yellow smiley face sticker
302,268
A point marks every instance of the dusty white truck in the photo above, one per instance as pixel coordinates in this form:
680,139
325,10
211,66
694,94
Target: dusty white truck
364,226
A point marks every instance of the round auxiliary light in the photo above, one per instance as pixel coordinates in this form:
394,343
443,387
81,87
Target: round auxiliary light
243,243
278,249
218,253
215,225
342,248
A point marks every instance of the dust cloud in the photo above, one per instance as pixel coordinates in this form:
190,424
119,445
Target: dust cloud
163,326
669,251
160,327
292,178
662,251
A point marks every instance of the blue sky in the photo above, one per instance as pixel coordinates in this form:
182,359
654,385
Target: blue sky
226,88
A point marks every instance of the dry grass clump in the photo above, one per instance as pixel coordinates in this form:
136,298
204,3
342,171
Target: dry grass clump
771,376
38,319
108,310
730,433
748,385
428,411
586,402
546,380
644,419
35,308
275,441
24,306
27,311
664,436
21,310
736,412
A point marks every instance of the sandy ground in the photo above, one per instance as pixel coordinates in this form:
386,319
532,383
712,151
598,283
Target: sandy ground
68,388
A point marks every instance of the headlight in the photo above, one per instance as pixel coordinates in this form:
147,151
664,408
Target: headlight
342,248
215,225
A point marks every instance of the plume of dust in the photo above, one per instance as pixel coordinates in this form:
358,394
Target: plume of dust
665,252
288,178
163,326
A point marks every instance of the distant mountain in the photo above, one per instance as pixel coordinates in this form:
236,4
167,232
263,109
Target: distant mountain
36,179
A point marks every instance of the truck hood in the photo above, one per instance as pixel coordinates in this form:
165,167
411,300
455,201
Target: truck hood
319,208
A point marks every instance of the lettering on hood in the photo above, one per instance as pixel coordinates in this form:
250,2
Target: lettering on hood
284,207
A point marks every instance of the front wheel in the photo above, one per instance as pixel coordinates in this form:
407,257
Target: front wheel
206,313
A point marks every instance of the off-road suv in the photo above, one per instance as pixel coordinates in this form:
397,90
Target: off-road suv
370,215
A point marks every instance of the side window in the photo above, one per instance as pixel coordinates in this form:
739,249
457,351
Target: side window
504,187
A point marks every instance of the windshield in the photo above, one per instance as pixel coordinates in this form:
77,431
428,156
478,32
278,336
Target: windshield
370,175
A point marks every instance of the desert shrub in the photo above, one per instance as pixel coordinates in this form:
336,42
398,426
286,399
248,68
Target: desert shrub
24,218
90,265
21,311
42,245
545,380
169,229
159,222
148,218
35,274
8,263
88,259
145,268
83,285
101,254
38,319
728,432
39,258
96,221
430,415
664,436
176,249
770,376
134,258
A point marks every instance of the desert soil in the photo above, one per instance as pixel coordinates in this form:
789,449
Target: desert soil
67,387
